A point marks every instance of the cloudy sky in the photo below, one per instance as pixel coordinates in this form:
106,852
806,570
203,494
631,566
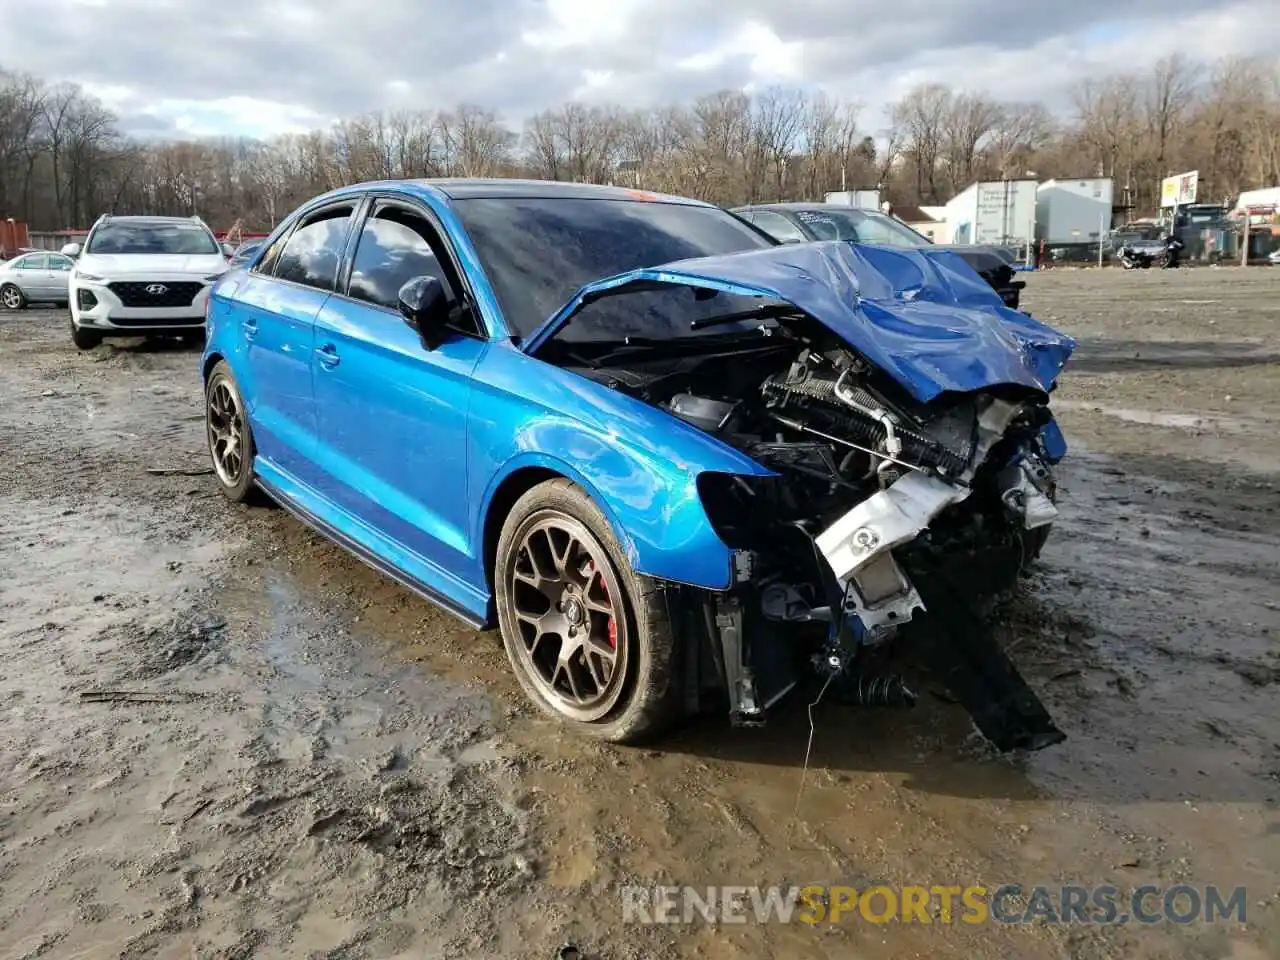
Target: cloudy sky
259,67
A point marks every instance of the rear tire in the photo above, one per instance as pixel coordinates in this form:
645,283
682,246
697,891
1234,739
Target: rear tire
11,298
623,615
229,436
84,339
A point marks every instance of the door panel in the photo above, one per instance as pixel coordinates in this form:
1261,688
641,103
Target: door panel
276,336
39,279
277,314
29,275
392,415
59,276
392,427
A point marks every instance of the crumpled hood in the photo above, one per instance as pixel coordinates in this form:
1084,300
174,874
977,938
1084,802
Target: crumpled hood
923,316
119,265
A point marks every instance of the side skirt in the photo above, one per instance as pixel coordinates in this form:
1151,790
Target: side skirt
367,556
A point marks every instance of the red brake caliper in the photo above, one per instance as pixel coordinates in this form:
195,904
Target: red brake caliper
592,573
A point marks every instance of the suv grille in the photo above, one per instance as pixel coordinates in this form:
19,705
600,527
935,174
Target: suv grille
134,293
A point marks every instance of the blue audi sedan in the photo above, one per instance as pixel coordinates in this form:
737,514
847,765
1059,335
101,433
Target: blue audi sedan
675,463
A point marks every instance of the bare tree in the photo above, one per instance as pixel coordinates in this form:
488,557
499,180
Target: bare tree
1170,93
63,161
1020,130
1108,117
919,121
475,142
967,125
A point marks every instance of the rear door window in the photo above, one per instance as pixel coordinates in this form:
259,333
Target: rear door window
312,254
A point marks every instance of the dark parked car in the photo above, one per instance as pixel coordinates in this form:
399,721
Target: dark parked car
807,222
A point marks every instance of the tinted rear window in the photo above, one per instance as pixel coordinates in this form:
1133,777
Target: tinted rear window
537,252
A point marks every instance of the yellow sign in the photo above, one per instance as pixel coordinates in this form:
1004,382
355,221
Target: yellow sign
1179,190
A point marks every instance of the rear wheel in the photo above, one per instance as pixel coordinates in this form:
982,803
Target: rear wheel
11,298
229,436
591,641
84,339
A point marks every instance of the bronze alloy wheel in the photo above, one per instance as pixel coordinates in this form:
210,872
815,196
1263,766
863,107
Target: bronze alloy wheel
225,425
566,601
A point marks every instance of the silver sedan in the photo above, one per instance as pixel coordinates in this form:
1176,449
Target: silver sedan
34,278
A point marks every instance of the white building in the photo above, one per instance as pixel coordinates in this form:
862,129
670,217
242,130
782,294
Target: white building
1074,211
1266,197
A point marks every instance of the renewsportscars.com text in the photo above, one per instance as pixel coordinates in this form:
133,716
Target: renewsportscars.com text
972,904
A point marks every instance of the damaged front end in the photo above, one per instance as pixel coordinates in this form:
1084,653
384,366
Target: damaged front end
928,521
902,413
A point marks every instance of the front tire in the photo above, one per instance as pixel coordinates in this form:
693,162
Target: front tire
590,640
11,298
84,339
229,435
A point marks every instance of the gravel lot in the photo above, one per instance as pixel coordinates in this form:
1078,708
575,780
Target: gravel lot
222,737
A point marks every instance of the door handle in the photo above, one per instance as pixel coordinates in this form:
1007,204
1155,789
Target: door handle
250,328
328,355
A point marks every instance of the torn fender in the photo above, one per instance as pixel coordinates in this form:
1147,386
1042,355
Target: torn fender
923,316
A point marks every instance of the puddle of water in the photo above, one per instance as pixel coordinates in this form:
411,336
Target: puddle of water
1158,418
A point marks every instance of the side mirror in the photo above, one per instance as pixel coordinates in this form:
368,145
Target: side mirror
425,307
70,250
228,250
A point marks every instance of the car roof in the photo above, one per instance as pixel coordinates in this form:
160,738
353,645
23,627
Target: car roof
145,220
800,206
468,188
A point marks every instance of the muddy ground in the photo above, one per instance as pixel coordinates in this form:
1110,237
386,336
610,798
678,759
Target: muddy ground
220,736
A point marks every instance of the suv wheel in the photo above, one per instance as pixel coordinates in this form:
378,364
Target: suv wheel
84,339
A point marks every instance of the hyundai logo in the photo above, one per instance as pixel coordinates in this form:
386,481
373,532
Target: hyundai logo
156,289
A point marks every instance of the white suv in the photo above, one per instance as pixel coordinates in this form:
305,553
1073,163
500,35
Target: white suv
139,276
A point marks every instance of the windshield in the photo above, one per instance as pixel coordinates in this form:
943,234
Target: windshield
537,252
861,226
172,238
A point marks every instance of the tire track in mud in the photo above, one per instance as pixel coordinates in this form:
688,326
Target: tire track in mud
248,767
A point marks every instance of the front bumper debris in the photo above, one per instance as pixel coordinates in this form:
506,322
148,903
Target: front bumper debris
879,582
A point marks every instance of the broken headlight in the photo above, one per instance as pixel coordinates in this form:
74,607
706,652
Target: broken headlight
741,509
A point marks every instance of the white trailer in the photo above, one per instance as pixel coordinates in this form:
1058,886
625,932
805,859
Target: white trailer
868,199
1074,211
1265,197
1000,213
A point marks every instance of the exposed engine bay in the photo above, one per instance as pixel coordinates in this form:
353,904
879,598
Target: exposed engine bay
885,516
